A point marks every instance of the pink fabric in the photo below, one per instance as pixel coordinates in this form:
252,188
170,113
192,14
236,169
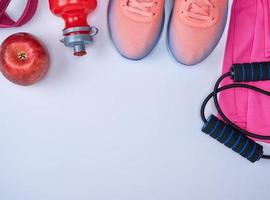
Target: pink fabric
248,41
7,22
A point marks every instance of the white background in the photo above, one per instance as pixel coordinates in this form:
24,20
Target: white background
105,128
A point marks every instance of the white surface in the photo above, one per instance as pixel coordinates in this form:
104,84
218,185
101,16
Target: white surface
105,128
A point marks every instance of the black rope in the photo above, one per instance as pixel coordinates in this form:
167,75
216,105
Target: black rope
214,95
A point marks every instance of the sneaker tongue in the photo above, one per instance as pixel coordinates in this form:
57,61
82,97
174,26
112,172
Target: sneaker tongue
201,3
204,8
144,0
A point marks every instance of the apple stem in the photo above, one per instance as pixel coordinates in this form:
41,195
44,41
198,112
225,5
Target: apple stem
22,55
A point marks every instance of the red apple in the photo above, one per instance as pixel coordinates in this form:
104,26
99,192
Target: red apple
24,60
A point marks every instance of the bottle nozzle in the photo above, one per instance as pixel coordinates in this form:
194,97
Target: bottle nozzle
79,50
77,39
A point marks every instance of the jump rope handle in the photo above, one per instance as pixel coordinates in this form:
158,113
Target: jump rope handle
233,139
28,13
249,72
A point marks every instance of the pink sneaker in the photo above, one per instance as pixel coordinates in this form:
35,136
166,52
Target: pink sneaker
195,29
135,26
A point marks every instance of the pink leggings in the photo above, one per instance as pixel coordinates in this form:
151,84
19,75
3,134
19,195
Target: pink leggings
248,41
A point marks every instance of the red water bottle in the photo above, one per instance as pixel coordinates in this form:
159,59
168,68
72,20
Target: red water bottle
77,32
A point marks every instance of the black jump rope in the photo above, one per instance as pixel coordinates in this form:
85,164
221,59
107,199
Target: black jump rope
227,132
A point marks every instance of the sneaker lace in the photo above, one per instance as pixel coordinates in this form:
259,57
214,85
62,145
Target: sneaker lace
199,9
141,7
